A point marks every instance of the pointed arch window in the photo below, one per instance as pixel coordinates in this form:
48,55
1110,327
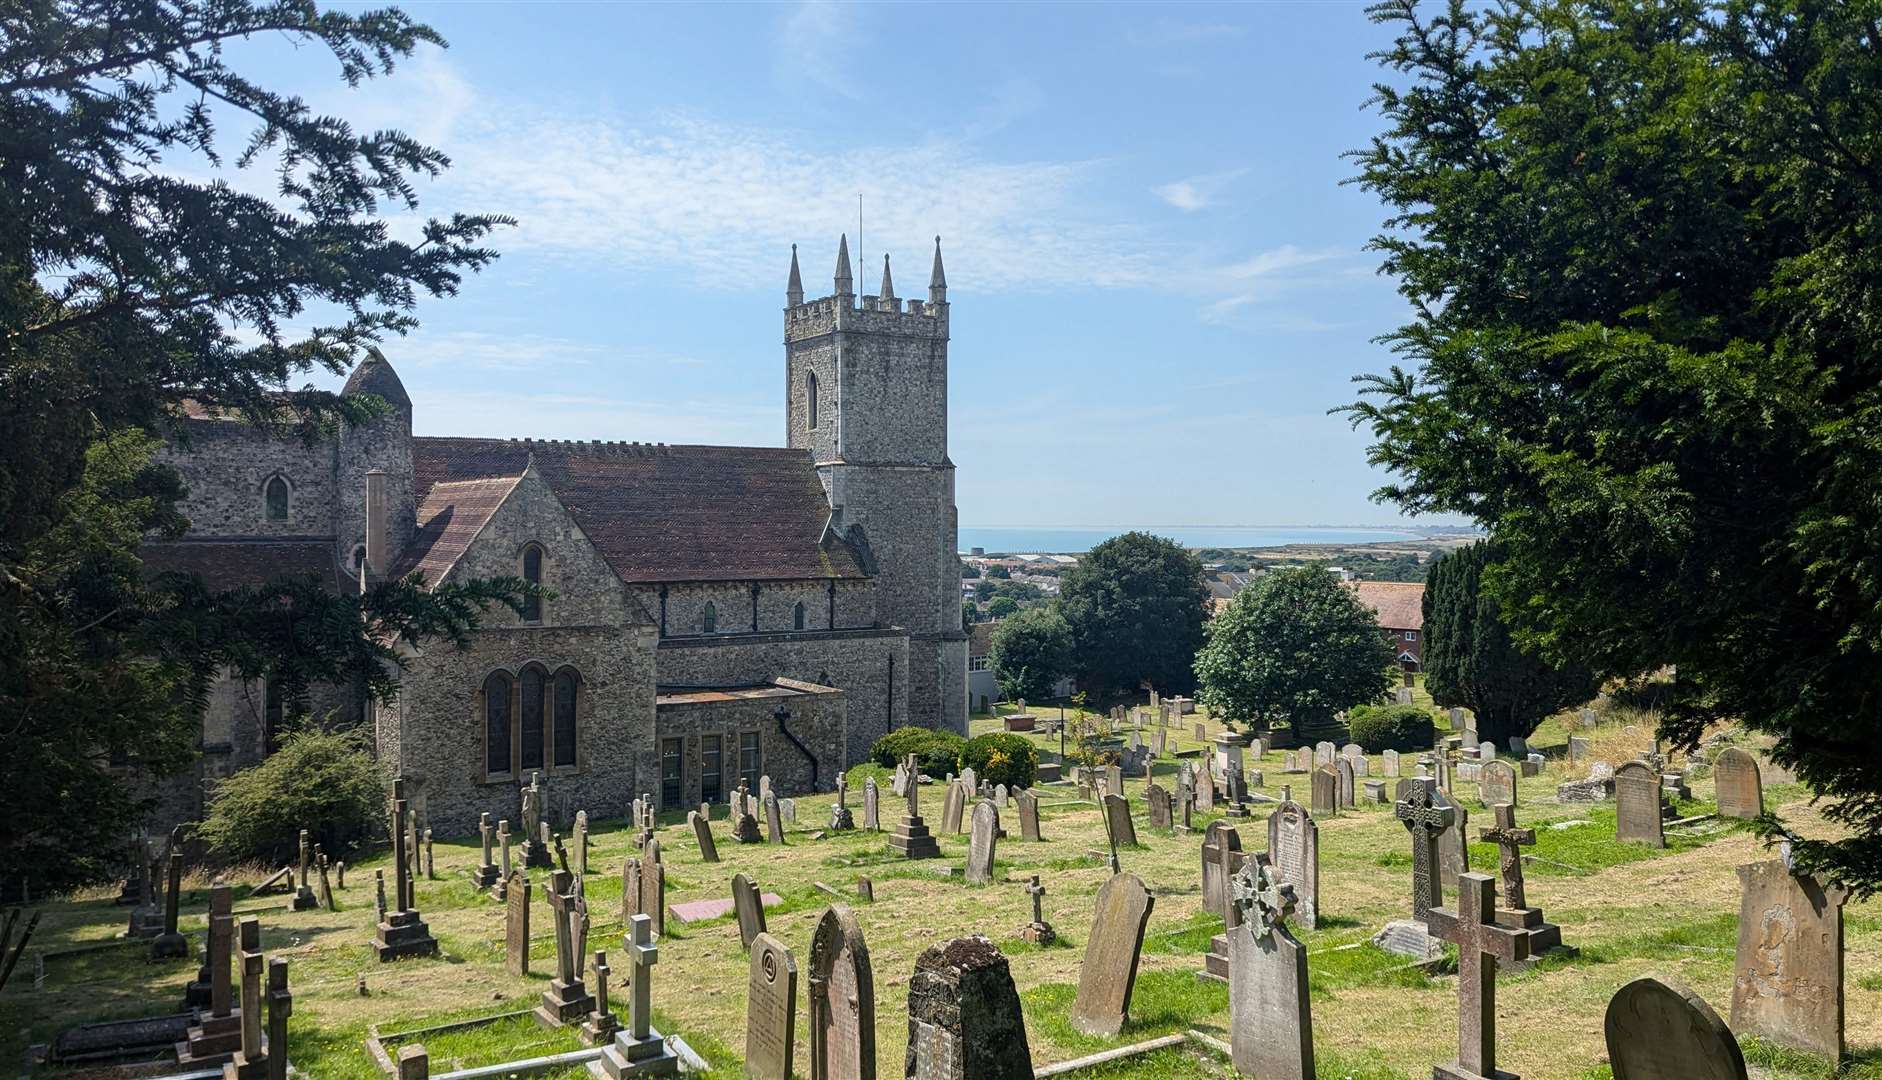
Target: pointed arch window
497,724
797,616
810,399
567,684
530,752
532,573
275,498
710,620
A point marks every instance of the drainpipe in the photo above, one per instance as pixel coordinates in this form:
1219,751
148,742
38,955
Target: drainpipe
783,716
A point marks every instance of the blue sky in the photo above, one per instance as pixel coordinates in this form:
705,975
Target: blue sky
1158,283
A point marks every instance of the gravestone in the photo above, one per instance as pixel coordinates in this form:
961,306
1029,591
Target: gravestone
872,805
1205,790
1343,772
702,835
1323,753
1664,1031
774,820
1270,1019
638,1050
171,944
1117,819
1294,850
485,874
653,887
601,1025
1326,791
1496,784
911,836
1579,750
217,1033
1453,842
304,898
1740,787
581,843
535,850
567,998
899,782
770,1010
980,843
1389,764
503,842
1221,857
1372,792
250,1061
764,787
516,923
952,807
1113,780
1111,953
787,808
402,932
1291,762
964,1018
1515,911
1637,802
1424,816
1480,944
1788,987
1028,815
1161,808
744,820
750,907
1038,931
842,999
1486,751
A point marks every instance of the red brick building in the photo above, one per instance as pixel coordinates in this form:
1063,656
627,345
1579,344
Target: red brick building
1400,608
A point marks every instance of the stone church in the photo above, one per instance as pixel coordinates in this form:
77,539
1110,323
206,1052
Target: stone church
718,612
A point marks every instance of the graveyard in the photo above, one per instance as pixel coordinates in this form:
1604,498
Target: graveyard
1622,909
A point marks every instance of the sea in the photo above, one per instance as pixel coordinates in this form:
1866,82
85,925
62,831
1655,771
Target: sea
1020,539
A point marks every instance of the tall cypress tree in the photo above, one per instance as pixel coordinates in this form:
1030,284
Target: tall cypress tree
1471,661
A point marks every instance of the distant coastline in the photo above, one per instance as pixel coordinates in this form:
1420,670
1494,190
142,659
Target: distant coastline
1072,541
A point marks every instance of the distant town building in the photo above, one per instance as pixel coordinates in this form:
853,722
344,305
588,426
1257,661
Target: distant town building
1400,609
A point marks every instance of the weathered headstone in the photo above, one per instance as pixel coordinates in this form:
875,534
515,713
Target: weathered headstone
750,907
1664,1031
601,1025
304,898
953,807
1117,819
516,923
1161,806
1270,1019
1294,849
1205,790
1453,842
1323,753
980,843
217,1033
653,886
911,836
1637,802
1221,857
1110,968
1480,944
770,1010
842,999
774,820
1740,787
581,842
964,1018
485,874
1343,772
1515,911
702,835
1326,791
1038,931
872,805
1496,784
787,809
1028,815
171,944
1579,750
638,1050
567,998
1425,816
1788,987
744,817
402,932
1389,766
251,1060
535,850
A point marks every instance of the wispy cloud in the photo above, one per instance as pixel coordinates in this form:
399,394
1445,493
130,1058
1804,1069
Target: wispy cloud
1251,285
1196,192
492,414
816,41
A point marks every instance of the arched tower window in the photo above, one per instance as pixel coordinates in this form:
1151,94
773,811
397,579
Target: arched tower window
797,615
532,727
532,573
709,621
275,499
567,683
497,723
810,399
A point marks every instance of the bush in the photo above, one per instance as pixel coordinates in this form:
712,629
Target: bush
1377,728
938,750
324,782
1001,758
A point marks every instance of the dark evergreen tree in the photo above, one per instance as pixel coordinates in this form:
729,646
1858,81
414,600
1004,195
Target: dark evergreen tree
1642,244
1136,605
1031,652
1471,660
128,284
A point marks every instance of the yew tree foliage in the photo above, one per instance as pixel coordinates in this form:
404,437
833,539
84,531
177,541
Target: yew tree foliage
1136,605
1296,647
1643,248
1471,660
128,284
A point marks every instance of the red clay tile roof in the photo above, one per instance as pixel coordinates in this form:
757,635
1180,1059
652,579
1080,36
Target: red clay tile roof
230,564
449,518
668,513
980,638
1400,605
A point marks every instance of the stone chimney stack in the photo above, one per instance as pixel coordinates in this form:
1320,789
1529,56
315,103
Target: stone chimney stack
376,553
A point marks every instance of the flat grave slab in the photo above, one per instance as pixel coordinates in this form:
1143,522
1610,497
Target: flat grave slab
693,911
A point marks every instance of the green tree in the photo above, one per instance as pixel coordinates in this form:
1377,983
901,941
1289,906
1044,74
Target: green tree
968,573
1136,605
970,615
1296,647
133,276
323,781
1002,606
1470,659
1000,572
1643,247
1030,652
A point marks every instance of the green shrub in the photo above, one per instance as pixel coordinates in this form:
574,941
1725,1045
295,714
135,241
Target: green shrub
938,750
324,782
1390,727
1001,758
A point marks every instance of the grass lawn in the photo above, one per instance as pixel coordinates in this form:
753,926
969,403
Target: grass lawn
1631,911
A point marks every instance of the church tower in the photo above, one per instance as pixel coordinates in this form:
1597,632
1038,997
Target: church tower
867,395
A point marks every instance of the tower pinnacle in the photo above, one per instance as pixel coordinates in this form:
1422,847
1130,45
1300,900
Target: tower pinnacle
845,284
938,279
887,292
794,288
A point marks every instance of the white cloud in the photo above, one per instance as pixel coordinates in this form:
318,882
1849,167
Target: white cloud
1195,192
507,415
816,41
